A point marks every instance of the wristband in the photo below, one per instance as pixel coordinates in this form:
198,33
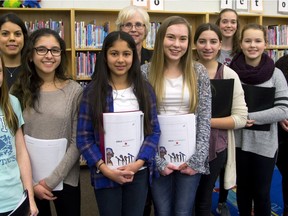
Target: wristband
98,167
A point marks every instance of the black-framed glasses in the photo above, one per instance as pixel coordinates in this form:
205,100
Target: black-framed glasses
42,51
129,25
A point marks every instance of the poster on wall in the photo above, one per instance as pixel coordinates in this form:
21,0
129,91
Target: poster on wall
156,5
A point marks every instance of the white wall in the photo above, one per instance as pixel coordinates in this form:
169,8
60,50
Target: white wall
270,6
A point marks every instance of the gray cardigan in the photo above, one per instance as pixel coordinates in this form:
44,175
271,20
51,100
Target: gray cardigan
199,160
58,119
265,143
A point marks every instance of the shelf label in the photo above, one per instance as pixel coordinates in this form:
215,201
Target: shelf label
257,5
140,3
242,4
156,4
226,4
283,6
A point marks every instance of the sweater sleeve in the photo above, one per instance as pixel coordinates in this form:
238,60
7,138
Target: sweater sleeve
72,153
239,111
199,160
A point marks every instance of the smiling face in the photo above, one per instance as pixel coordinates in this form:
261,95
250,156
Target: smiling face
253,45
175,42
208,46
46,65
119,59
11,39
138,34
228,24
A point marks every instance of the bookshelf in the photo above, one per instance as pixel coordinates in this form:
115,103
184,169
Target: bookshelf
99,17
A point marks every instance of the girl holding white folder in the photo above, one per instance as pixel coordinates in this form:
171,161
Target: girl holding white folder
118,86
207,40
182,87
15,167
50,105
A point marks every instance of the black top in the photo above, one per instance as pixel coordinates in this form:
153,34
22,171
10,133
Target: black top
11,74
145,55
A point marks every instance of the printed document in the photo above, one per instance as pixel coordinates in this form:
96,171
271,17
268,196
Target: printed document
45,155
178,137
123,137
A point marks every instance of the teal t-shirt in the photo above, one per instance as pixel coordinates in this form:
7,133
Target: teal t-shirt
11,187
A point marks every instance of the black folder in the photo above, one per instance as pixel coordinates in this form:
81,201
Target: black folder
258,99
23,208
222,97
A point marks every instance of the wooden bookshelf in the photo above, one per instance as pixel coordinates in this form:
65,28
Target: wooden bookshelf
70,16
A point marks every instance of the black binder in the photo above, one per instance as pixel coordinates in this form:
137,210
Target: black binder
23,208
258,99
222,97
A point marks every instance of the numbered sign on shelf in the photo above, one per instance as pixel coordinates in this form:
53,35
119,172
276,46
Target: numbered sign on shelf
242,5
257,5
156,4
140,3
226,4
283,6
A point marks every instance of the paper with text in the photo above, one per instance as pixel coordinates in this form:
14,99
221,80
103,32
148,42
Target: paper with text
45,155
178,137
123,137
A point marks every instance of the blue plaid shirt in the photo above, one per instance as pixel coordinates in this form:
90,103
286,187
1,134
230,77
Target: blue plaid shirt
88,140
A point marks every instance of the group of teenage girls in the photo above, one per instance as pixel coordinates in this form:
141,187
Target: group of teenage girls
174,80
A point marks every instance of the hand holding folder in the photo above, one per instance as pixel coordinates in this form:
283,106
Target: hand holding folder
45,155
258,99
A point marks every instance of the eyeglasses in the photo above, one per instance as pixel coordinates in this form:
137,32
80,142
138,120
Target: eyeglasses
129,25
42,51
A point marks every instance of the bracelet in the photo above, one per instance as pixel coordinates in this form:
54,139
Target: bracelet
98,167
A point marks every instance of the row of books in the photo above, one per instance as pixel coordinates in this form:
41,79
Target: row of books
90,35
85,64
276,54
57,26
151,36
277,34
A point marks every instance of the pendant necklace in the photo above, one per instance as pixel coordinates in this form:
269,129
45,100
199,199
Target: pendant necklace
11,72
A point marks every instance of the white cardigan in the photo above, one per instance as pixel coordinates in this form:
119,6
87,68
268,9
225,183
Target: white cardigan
239,113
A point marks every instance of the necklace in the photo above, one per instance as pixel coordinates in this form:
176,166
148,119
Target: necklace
120,93
11,72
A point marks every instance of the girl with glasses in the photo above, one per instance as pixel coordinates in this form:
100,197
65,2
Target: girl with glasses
50,103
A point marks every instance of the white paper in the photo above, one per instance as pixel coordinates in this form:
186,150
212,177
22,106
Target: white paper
45,155
178,137
123,137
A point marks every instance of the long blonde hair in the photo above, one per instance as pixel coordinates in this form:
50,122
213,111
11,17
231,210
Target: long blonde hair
158,63
10,117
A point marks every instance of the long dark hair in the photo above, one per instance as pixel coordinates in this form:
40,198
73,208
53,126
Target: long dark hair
97,90
13,18
27,86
